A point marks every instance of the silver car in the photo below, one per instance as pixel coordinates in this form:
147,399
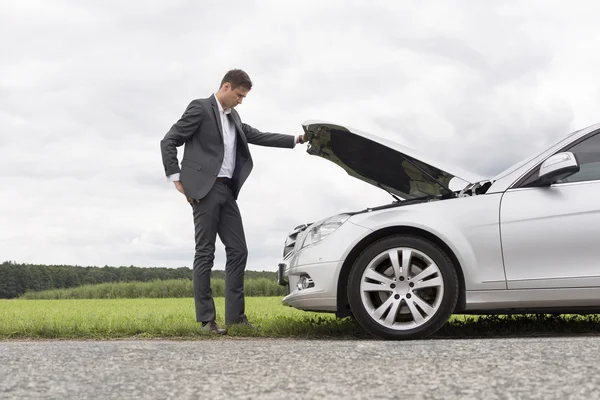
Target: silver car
524,241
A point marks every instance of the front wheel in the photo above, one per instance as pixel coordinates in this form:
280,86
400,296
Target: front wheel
402,287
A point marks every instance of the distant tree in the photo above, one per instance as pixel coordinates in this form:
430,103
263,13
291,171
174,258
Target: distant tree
16,279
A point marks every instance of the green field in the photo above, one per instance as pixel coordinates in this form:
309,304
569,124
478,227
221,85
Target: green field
118,318
168,289
174,318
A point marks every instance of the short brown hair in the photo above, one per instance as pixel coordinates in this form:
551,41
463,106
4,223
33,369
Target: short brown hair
237,77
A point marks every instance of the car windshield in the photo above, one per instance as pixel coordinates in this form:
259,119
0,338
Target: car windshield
524,161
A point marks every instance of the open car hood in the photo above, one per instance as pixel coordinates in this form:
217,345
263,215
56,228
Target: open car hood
383,163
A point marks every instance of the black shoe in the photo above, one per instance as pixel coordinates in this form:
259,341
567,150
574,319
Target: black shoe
212,327
244,323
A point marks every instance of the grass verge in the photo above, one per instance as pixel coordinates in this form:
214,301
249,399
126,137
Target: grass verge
150,318
174,318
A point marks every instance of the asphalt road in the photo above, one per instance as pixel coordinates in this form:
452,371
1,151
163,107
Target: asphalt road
528,368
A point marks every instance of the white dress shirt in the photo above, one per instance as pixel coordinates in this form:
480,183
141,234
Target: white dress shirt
229,141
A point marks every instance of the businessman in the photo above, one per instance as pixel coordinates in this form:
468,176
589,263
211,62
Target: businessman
216,163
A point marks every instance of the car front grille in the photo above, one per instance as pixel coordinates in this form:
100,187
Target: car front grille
290,242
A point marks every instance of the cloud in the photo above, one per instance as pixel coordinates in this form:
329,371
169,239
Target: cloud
88,89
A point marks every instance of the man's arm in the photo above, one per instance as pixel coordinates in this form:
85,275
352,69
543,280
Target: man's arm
179,133
254,136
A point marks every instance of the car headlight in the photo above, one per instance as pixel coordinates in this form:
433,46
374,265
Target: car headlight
323,229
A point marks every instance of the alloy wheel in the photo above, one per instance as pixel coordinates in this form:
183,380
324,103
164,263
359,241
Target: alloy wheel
401,288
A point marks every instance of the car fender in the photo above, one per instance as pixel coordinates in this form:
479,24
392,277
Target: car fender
469,227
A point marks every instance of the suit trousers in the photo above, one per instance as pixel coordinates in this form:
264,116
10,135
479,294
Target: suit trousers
218,213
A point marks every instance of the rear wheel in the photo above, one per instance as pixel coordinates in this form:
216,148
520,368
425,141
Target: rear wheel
402,287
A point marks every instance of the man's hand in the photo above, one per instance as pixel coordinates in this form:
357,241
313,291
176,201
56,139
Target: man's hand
179,187
302,138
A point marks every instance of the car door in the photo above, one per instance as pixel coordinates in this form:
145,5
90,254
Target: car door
551,235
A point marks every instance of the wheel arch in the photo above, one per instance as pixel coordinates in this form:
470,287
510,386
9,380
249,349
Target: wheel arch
343,306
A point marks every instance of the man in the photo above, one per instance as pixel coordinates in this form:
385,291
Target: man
216,163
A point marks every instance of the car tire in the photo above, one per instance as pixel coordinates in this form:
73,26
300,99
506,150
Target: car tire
432,292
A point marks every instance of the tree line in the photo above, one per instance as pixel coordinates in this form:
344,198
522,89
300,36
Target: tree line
16,279
170,288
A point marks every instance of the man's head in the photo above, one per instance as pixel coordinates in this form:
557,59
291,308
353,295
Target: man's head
235,85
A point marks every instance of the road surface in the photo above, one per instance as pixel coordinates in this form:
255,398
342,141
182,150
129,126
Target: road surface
524,368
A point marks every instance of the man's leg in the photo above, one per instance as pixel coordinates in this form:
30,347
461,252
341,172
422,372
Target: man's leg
206,222
231,232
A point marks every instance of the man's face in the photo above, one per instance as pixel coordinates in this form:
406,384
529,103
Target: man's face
233,97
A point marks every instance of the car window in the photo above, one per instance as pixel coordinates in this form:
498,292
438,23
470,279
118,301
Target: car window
588,156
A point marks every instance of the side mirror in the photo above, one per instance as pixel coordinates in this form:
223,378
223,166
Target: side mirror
557,167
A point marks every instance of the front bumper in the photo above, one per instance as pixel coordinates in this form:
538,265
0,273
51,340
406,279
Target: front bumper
320,265
322,295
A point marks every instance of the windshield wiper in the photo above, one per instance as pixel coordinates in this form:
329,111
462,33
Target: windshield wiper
391,194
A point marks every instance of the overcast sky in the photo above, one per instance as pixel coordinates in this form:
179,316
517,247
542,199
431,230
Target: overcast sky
89,88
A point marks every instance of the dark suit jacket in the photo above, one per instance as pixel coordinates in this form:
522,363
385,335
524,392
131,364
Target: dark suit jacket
199,128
